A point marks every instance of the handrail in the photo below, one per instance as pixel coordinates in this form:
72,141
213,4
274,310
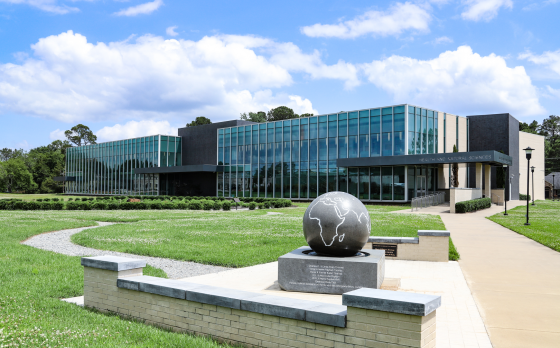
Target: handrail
427,200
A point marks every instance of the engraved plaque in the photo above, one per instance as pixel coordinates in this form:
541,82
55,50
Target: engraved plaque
390,249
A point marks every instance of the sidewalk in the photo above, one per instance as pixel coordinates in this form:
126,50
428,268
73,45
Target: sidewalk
515,281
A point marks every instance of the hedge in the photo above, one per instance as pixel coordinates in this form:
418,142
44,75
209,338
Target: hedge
523,197
473,205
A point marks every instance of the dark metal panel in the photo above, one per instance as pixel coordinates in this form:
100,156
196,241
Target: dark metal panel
491,157
64,178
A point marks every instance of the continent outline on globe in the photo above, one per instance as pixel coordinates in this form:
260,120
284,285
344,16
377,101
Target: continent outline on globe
342,207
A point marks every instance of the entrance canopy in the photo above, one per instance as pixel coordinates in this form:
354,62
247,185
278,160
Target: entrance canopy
196,168
488,157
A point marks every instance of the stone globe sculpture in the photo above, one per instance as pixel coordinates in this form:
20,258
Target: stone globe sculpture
336,224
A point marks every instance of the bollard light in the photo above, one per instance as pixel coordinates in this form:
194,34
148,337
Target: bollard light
505,200
528,153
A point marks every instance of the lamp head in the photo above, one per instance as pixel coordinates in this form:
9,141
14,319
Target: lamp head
528,152
505,165
532,169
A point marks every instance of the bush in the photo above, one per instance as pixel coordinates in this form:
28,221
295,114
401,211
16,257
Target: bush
523,197
168,205
100,206
473,205
226,205
156,205
207,204
70,199
252,206
55,199
113,205
57,205
195,205
261,206
39,199
217,205
182,205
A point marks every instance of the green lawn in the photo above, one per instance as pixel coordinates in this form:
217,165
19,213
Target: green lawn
232,239
32,282
544,218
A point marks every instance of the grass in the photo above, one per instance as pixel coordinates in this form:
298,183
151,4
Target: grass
33,281
231,239
544,218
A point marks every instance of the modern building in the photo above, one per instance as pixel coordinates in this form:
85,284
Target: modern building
391,154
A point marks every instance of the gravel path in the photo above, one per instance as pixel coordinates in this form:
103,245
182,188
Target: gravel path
59,242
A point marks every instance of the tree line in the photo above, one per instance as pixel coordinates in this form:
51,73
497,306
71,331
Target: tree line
33,171
274,114
550,129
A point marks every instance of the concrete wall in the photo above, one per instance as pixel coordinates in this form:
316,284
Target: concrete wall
429,246
460,195
537,160
258,320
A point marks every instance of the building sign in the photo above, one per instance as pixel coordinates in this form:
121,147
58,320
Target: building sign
390,249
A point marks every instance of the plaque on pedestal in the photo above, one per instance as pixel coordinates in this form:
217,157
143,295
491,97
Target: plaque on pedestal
305,271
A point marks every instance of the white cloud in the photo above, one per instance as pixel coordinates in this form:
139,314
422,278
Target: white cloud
69,79
441,40
135,129
554,92
550,60
477,10
146,8
396,20
171,31
57,135
23,145
51,6
459,81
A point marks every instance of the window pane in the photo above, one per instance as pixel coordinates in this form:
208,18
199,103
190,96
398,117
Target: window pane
220,155
364,145
387,111
278,133
387,144
221,140
277,152
303,180
304,132
353,126
342,128
411,143
399,143
342,180
312,181
322,129
295,132
255,154
353,181
323,154
387,123
295,177
322,181
313,150
387,183
375,145
398,183
364,125
295,151
364,183
226,155
399,122
375,183
287,133
352,147
431,135
333,128
286,156
313,131
375,124
269,153
342,148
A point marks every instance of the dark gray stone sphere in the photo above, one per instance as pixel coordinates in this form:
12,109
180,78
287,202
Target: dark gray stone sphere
336,224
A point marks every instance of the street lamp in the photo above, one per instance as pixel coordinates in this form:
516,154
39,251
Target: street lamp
528,152
533,184
505,190
553,187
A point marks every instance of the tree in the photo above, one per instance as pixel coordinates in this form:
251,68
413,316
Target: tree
81,135
59,145
17,177
550,128
254,116
6,154
305,115
199,121
280,113
529,128
454,171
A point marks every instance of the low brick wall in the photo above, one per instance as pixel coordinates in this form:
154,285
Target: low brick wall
462,194
370,317
428,246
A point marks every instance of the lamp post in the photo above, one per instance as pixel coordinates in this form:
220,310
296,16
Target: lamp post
528,152
553,187
505,200
533,184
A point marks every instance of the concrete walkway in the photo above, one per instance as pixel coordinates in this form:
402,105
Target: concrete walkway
515,281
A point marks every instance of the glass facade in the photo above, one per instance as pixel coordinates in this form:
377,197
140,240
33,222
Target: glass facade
297,158
108,168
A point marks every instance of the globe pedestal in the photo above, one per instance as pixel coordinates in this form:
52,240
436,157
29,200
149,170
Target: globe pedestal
305,271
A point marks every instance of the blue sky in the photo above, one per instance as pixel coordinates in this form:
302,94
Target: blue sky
133,68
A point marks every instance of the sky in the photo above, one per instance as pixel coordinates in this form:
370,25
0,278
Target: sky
129,68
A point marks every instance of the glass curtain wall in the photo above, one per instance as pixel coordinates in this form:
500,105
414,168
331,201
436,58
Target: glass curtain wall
297,158
422,131
108,168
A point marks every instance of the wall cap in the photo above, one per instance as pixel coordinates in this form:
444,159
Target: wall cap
393,240
113,263
392,301
434,233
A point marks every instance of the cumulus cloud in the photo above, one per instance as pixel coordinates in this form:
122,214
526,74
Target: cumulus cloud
441,40
171,31
52,6
551,60
397,19
69,79
146,8
554,92
461,80
135,129
57,135
477,10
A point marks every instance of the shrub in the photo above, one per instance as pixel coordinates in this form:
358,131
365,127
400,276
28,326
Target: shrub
473,205
70,199
44,206
207,204
57,205
252,206
226,205
217,205
39,199
72,206
100,206
182,205
168,205
195,205
127,206
523,197
156,205
261,205
33,205
113,205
